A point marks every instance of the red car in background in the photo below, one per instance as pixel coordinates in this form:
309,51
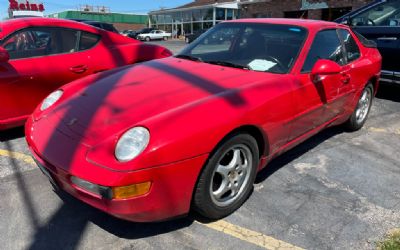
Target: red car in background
152,141
38,55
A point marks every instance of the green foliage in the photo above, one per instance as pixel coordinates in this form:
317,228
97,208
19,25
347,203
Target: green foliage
392,241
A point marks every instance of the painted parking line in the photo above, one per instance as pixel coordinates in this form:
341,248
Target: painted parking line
384,130
250,236
225,227
17,156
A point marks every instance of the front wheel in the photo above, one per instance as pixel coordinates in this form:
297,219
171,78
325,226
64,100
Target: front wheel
165,38
360,114
227,178
147,39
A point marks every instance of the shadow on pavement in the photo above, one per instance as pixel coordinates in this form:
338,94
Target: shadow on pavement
11,134
296,152
74,215
389,92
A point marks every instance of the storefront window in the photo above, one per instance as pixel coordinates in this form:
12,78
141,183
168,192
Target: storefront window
153,19
187,28
168,18
229,14
207,25
220,15
196,26
187,16
207,14
177,16
197,15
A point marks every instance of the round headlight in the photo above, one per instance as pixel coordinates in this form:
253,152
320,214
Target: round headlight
51,99
132,143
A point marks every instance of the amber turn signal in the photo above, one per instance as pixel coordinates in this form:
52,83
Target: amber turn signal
131,191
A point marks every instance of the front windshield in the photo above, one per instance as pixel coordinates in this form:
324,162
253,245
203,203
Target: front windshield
253,46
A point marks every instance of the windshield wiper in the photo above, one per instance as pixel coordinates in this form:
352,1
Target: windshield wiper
192,58
227,64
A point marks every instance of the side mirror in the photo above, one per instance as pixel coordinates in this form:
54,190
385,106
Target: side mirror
4,55
323,68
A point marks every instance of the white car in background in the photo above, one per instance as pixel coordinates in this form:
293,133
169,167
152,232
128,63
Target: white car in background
154,35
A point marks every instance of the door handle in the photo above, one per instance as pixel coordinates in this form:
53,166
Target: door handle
79,69
387,38
345,78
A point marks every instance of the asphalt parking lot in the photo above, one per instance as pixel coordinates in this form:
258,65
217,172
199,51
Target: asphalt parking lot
337,190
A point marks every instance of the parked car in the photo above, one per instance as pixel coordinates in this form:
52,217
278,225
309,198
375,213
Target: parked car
129,33
193,36
154,35
143,31
38,55
380,21
151,142
101,25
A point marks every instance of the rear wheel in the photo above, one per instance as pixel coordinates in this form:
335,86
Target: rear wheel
187,40
360,114
227,179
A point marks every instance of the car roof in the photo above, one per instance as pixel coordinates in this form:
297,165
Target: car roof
8,26
306,23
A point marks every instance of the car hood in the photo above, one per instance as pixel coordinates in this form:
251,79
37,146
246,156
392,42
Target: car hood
134,95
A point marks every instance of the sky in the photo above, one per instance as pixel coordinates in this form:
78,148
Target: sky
126,6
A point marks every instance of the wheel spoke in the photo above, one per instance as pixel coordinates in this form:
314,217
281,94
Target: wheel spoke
236,160
358,114
234,190
223,171
225,187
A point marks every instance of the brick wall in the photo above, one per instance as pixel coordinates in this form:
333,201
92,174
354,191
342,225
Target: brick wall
277,8
128,26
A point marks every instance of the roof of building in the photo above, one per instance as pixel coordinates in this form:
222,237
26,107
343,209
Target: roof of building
307,23
198,3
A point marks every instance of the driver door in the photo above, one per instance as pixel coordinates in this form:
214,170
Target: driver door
316,101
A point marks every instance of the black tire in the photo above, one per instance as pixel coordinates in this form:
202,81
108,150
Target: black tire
165,38
187,40
147,39
356,122
204,201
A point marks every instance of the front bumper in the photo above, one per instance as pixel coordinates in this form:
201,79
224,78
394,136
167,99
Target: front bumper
169,196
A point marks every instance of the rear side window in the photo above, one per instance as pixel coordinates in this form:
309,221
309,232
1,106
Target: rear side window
367,43
88,40
350,45
326,45
68,39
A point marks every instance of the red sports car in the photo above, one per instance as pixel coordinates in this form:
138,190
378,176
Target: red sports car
152,141
39,55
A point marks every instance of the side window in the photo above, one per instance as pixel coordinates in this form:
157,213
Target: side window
326,45
351,47
40,41
68,39
30,42
88,40
384,14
